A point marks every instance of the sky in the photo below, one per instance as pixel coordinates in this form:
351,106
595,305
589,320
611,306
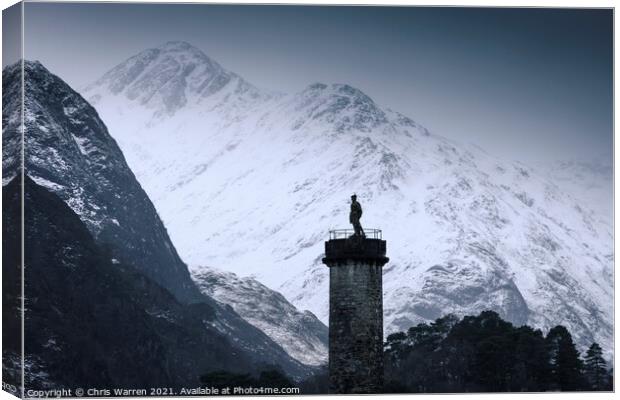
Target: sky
533,85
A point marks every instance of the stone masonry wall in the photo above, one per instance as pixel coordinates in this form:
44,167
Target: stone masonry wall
355,328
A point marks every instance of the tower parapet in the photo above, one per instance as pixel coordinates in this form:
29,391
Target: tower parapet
355,310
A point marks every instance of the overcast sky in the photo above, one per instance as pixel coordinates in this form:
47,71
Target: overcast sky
528,84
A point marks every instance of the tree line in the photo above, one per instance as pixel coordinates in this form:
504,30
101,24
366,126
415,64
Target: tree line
484,353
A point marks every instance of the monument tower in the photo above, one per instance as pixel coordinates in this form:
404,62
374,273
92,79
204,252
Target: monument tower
355,260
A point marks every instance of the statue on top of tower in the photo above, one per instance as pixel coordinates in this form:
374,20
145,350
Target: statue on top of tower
355,215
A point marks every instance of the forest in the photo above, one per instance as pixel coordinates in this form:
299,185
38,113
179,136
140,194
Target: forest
484,353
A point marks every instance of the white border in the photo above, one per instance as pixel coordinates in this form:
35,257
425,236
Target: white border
478,3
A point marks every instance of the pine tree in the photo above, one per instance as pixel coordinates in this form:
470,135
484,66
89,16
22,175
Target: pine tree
595,368
566,366
531,367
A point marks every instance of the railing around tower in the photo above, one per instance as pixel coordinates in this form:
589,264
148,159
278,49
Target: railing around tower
344,246
370,233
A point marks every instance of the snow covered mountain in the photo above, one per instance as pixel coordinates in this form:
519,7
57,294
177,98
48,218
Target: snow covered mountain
68,151
301,334
251,181
590,181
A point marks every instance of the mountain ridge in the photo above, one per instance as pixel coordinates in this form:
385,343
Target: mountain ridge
301,334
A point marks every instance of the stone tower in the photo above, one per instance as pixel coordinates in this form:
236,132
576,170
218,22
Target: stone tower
355,311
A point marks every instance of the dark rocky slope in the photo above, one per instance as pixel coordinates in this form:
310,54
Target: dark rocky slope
93,322
69,152
67,148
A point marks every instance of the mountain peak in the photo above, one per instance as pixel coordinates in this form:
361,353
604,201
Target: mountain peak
177,45
167,77
184,52
29,65
34,64
339,90
342,105
336,88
